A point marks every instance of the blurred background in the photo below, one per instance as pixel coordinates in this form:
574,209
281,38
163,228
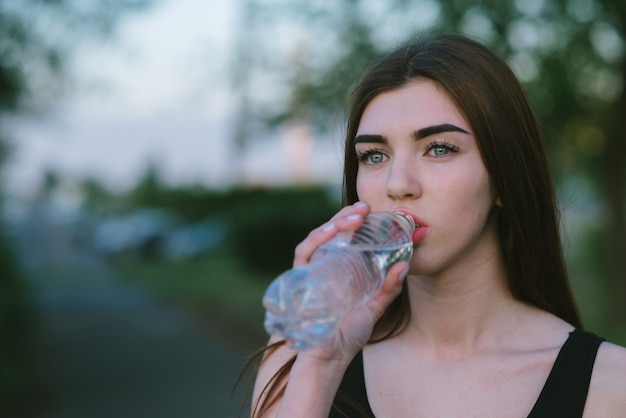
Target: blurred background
161,158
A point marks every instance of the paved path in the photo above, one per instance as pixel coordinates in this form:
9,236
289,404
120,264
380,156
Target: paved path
108,350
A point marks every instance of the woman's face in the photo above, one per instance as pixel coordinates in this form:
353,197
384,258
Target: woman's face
417,152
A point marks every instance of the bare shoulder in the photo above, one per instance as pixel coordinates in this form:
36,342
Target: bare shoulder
607,390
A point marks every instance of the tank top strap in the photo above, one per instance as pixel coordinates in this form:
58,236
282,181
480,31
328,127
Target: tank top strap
565,391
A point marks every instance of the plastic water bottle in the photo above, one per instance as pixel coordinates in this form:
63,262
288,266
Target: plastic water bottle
304,305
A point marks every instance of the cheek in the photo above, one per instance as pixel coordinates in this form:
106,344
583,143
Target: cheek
369,187
477,201
463,196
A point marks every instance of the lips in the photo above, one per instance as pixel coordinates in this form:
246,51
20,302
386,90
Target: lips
419,234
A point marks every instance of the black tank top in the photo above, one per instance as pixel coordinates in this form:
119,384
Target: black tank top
563,395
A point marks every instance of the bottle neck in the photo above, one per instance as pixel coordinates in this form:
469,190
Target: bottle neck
408,219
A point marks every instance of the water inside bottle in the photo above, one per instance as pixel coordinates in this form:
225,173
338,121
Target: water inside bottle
384,258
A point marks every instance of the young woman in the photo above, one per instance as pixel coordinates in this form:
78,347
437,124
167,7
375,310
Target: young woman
472,326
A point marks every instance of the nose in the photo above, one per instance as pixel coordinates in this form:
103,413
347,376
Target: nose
403,181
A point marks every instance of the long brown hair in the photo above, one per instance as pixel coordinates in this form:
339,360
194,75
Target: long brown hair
511,144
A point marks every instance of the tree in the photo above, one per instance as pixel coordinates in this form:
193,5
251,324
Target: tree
96,195
37,38
569,54
149,190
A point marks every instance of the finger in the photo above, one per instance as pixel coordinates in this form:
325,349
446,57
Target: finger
317,237
360,208
347,219
391,288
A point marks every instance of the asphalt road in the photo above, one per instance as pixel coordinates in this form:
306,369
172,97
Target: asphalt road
104,349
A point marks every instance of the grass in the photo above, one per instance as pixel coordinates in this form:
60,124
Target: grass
217,287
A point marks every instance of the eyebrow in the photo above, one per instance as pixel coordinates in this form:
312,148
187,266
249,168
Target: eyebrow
419,134
437,129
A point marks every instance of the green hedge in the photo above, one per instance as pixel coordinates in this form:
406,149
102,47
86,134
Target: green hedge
15,318
266,225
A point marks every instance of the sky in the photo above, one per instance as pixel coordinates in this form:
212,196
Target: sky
157,92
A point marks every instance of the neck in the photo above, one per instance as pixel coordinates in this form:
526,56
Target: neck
461,312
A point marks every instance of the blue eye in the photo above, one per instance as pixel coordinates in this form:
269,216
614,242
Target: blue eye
372,157
440,149
375,157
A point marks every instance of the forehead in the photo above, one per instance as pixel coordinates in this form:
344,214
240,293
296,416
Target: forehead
415,105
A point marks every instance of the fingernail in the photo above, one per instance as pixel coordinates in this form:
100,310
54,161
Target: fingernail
404,274
353,217
328,227
360,204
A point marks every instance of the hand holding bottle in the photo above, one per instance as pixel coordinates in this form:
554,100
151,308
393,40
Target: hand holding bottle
338,297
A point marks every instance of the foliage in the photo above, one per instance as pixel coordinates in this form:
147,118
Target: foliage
38,37
95,195
268,224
